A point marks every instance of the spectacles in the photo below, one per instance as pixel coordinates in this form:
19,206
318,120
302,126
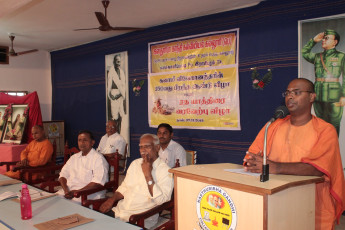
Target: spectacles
294,92
109,127
146,147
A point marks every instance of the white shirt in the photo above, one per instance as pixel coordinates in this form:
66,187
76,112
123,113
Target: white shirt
171,153
109,144
80,170
137,197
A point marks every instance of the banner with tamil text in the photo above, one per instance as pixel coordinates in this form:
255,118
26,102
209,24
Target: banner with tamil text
194,82
201,52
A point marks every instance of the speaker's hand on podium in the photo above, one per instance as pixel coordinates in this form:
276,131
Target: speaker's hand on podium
253,162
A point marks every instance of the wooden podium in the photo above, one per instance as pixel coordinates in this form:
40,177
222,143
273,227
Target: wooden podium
283,202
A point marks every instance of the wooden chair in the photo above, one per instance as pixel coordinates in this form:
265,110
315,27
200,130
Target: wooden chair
27,172
68,152
123,161
191,157
50,185
112,185
139,219
113,161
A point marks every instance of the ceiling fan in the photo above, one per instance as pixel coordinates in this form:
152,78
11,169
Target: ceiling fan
102,19
13,53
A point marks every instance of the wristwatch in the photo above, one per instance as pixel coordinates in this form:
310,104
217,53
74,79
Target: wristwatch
150,182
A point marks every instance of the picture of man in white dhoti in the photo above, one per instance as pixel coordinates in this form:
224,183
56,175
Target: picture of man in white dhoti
117,91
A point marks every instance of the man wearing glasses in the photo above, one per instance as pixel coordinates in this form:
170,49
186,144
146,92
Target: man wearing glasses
329,67
112,141
147,184
302,144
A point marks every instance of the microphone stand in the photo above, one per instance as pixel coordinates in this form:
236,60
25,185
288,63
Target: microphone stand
265,167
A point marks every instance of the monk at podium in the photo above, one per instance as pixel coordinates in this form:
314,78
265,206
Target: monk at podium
302,144
38,152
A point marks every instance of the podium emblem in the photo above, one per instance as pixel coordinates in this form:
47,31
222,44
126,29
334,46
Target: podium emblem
215,209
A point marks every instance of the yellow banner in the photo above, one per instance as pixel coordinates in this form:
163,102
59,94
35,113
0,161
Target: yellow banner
193,82
195,99
201,52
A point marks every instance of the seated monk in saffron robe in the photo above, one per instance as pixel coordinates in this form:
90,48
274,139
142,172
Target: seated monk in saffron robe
37,153
302,144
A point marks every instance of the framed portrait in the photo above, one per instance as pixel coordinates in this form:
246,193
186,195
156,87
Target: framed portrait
3,120
55,131
117,101
322,60
15,124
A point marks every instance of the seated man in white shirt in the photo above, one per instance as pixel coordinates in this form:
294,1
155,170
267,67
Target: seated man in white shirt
112,141
84,170
170,150
147,184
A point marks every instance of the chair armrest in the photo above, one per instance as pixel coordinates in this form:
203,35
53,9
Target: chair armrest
40,169
15,169
95,203
88,191
169,205
50,185
8,163
111,185
108,185
46,173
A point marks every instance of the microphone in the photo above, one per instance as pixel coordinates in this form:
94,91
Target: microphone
280,112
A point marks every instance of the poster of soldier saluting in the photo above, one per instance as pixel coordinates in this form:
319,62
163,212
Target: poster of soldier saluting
322,60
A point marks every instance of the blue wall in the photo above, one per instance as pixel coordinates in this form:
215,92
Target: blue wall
268,38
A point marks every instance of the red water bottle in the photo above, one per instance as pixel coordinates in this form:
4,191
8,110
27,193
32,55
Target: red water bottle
25,203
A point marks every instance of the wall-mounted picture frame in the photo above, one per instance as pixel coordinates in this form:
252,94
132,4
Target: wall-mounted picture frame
3,120
55,131
116,87
15,124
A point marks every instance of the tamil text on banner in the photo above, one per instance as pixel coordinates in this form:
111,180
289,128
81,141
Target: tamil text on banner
201,52
193,82
205,99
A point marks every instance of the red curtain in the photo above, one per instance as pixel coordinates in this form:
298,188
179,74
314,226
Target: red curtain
35,116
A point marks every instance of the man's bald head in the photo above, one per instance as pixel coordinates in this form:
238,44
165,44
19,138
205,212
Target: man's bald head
309,84
37,132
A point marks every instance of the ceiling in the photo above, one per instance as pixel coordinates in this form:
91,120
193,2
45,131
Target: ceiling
49,24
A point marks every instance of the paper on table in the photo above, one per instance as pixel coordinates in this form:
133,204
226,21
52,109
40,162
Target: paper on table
241,171
4,226
7,195
65,222
9,182
37,195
